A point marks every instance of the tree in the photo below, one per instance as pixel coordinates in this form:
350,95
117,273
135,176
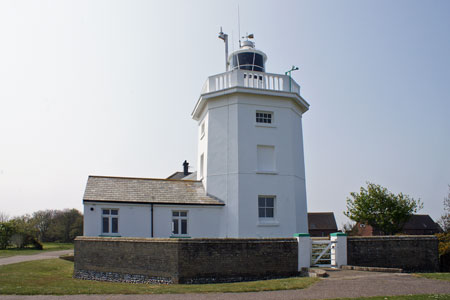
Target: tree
3,217
6,232
66,225
444,221
41,221
24,232
381,209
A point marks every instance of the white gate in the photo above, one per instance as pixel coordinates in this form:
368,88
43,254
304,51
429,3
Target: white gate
321,251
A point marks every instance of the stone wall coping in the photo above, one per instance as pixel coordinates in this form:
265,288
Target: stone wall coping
183,240
394,237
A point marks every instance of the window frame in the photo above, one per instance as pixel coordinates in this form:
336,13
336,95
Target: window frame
267,221
111,217
179,218
259,120
265,207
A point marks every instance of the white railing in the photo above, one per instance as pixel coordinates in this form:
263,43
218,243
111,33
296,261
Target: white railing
250,79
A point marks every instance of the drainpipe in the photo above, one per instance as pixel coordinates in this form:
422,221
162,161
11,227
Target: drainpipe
151,209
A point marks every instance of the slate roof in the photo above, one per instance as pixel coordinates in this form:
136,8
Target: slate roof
178,175
322,220
147,190
417,222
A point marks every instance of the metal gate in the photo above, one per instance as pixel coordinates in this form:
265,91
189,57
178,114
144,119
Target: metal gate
321,252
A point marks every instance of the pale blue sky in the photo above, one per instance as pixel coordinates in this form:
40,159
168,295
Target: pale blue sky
107,88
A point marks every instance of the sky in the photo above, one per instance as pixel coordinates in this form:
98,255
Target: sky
108,87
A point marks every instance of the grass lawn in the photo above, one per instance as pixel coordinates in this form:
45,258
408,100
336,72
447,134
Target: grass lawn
440,276
29,251
409,297
54,277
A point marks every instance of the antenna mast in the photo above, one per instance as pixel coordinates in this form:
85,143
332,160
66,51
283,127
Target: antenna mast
239,27
224,37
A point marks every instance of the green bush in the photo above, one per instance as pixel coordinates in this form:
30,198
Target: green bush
37,245
444,243
42,226
6,231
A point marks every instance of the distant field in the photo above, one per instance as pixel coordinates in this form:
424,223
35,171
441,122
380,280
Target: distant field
29,251
54,277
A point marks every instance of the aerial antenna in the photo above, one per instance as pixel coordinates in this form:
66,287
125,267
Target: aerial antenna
224,37
239,27
232,40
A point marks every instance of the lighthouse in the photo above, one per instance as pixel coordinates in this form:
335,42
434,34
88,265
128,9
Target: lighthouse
250,147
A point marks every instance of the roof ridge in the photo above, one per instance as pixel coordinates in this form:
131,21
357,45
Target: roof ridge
143,178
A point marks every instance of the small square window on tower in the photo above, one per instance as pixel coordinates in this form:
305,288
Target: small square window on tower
266,207
265,117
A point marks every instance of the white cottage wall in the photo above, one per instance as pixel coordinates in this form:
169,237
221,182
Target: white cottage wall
134,219
202,221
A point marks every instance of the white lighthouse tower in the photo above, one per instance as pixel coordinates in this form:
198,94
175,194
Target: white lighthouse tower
250,147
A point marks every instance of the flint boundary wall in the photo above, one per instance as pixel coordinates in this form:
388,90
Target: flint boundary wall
413,253
184,260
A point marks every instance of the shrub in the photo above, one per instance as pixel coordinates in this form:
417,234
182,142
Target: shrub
6,231
36,244
18,240
444,251
444,243
23,239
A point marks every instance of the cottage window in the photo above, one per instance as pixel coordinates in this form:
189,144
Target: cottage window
264,117
110,220
179,223
266,207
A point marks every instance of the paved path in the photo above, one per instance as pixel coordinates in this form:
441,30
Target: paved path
43,255
339,284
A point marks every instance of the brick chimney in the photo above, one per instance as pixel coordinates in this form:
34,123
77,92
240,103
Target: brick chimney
186,168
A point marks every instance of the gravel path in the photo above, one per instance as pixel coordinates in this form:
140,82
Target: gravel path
339,284
43,255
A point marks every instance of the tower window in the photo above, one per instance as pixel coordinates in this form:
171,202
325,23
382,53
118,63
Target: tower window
264,117
266,206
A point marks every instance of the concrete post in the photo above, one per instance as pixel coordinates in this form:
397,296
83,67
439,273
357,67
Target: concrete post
304,250
338,249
